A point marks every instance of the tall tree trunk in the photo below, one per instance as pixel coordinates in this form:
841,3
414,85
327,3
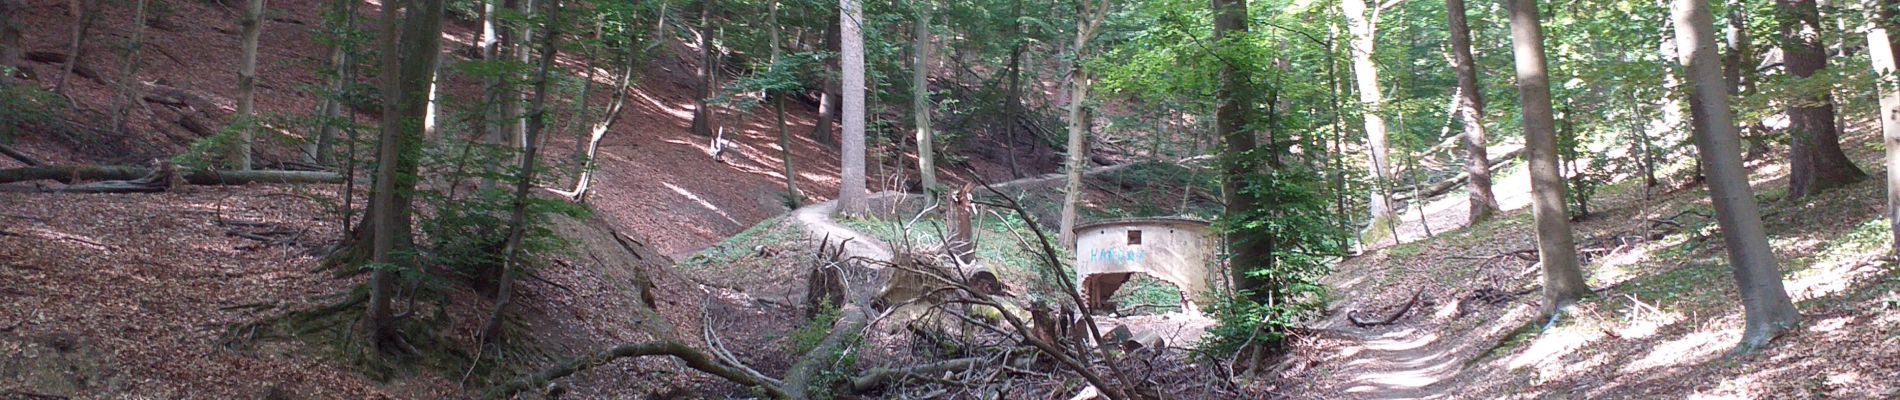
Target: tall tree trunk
1012,104
1366,73
702,116
1556,248
518,216
495,40
1765,304
406,82
522,44
11,12
342,67
84,13
920,99
851,197
1088,17
246,118
1737,71
1817,160
1470,108
1250,249
1881,48
828,98
778,111
128,94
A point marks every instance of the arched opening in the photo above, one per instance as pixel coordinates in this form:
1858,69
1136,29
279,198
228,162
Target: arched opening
1132,293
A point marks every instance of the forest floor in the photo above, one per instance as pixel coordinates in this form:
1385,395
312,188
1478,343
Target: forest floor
1661,324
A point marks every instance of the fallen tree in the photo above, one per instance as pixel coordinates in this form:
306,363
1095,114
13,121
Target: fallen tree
1433,189
122,179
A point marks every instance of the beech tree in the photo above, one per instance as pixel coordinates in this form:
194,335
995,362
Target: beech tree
1882,50
851,196
1766,307
1360,23
246,118
412,29
1815,157
920,98
1470,109
1556,247
1231,118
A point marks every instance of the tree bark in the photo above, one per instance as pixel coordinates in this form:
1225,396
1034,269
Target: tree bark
1013,103
1881,50
851,196
1766,307
246,117
343,67
518,216
1470,110
84,13
828,98
1088,17
1251,250
1366,74
1817,162
406,82
1556,247
702,116
778,110
920,99
129,68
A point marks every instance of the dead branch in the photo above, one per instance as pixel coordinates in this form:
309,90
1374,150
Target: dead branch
1354,315
878,377
1433,189
16,155
693,358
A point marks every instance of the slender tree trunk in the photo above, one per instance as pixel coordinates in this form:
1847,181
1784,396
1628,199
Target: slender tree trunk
10,42
406,82
342,67
517,220
1366,74
1012,104
84,13
1817,161
1088,16
1881,49
494,41
1470,109
702,116
920,99
851,196
522,44
1766,307
1738,71
828,99
253,22
1251,250
1556,248
778,111
128,94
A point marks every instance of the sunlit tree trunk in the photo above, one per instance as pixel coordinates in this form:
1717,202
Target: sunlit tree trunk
1470,108
1881,49
1556,248
828,98
920,99
1089,16
1765,304
851,196
411,28
1366,73
1817,162
253,22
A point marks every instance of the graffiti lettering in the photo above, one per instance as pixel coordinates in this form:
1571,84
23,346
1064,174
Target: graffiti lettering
1118,255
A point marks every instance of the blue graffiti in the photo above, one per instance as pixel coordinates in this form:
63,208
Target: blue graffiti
1118,255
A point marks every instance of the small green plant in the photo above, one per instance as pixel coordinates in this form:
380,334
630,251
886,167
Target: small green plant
813,332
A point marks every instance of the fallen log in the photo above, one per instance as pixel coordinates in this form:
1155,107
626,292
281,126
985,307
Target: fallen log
1354,315
71,173
1433,189
694,359
16,155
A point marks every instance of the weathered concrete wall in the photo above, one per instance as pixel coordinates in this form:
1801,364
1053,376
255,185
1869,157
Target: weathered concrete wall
1178,251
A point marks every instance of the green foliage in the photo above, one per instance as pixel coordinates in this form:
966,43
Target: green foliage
26,105
813,332
1294,218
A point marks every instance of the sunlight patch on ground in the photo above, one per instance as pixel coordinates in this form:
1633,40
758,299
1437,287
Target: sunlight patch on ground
1546,353
1694,346
702,202
676,112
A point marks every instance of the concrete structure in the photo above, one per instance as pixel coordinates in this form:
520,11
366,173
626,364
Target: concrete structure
1177,250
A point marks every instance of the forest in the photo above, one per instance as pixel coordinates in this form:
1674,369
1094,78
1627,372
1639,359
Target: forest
931,199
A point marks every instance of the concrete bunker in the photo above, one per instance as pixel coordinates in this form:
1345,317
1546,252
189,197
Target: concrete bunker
1175,250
